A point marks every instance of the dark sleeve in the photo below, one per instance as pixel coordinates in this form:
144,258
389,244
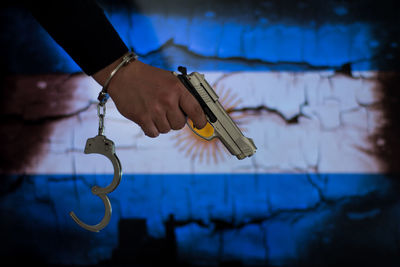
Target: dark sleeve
82,29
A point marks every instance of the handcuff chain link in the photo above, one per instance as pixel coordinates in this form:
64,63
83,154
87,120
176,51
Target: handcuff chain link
101,113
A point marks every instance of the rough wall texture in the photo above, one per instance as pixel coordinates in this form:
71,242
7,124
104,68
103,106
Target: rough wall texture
303,79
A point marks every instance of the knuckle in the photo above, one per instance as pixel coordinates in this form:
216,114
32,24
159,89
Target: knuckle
157,110
169,101
178,121
162,124
141,120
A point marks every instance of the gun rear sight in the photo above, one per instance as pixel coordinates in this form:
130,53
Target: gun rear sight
182,70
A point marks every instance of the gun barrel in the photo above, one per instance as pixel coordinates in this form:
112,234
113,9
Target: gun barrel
225,128
230,135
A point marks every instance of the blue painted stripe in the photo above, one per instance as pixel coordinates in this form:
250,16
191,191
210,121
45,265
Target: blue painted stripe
206,44
138,193
35,214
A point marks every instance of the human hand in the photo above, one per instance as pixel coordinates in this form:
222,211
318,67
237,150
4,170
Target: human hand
151,97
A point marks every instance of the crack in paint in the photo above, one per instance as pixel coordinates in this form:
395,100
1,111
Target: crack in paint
218,225
292,120
344,68
20,118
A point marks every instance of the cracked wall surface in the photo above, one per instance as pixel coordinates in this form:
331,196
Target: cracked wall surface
334,115
304,80
257,35
304,169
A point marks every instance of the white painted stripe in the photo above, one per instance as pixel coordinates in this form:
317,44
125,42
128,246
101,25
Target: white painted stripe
331,135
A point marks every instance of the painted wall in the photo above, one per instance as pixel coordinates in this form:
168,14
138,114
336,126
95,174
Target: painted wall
313,83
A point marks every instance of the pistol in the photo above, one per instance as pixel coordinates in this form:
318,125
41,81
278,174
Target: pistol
219,123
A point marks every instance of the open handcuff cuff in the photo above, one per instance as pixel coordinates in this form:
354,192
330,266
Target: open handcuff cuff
100,144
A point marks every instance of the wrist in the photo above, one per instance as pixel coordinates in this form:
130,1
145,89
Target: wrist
105,76
102,75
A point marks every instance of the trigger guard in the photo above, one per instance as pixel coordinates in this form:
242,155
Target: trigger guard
205,138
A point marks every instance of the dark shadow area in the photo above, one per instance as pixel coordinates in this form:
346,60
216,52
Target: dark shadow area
365,232
137,248
29,107
386,139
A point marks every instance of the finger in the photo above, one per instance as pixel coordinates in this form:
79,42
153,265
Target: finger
162,124
192,108
176,119
150,129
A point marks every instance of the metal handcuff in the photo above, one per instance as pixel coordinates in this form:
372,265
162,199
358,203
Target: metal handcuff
100,144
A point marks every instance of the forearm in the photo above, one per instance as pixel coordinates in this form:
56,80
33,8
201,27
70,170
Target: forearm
153,98
82,29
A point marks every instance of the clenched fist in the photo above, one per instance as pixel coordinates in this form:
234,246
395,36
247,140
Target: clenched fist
151,97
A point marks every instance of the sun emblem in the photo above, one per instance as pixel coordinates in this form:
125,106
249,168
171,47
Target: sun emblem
210,151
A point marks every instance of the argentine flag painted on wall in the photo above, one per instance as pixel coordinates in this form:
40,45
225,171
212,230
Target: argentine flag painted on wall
305,86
